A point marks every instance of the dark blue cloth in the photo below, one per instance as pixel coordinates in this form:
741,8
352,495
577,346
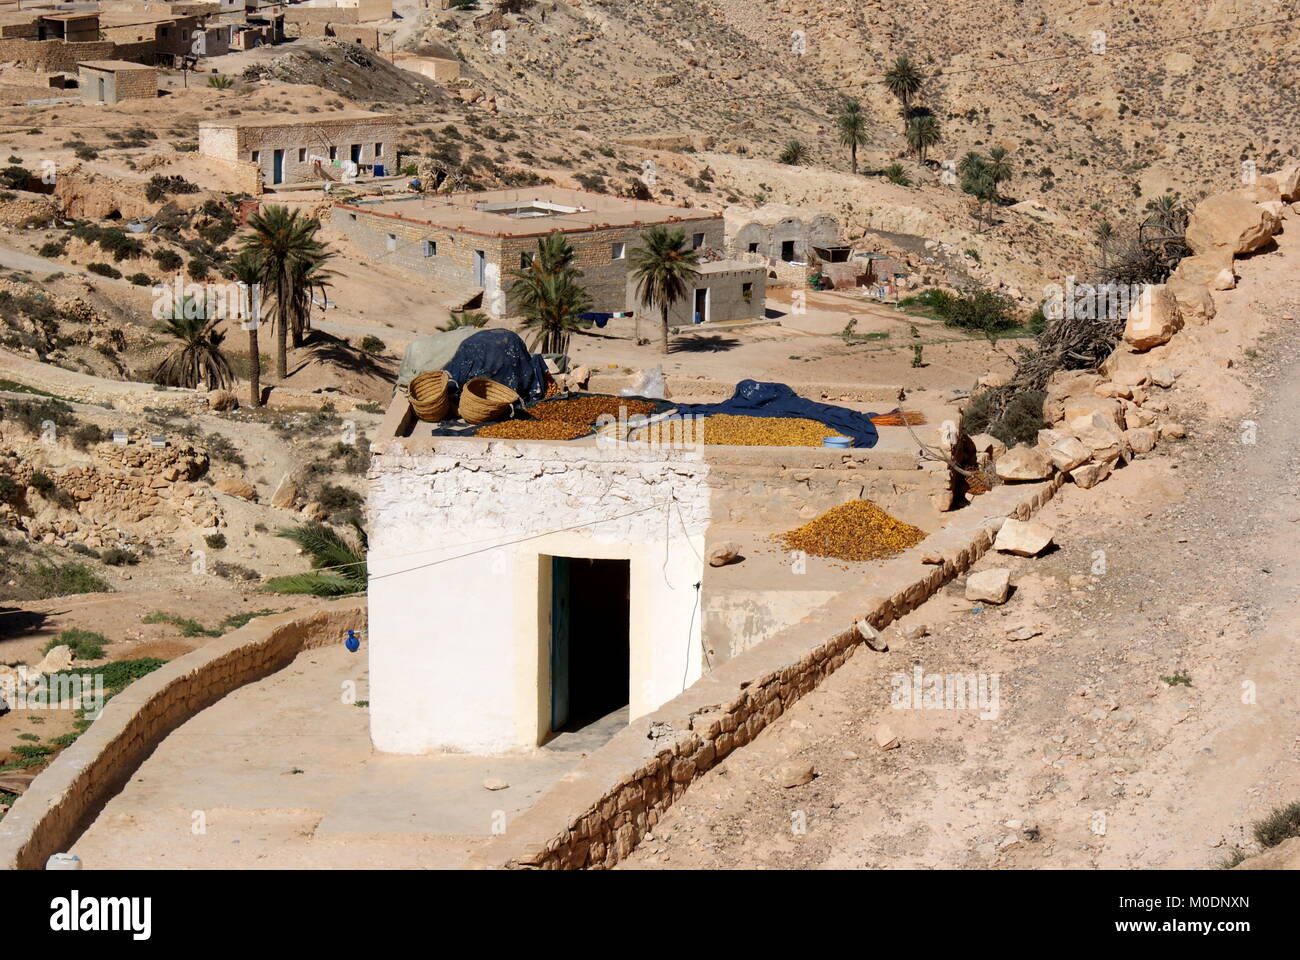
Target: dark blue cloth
500,355
755,399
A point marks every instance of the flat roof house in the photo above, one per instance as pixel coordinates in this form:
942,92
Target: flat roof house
307,147
467,242
111,81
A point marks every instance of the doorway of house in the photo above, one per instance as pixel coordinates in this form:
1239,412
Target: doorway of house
701,304
787,251
480,267
277,166
590,610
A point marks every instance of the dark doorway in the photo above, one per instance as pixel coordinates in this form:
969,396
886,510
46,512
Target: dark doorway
787,251
701,304
589,640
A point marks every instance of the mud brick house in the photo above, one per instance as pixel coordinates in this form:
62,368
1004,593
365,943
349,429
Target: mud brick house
111,81
298,148
171,34
787,238
470,242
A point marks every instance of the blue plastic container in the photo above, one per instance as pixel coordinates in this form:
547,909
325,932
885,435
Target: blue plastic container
838,443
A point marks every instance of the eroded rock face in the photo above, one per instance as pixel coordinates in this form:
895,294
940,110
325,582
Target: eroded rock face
1232,221
1154,319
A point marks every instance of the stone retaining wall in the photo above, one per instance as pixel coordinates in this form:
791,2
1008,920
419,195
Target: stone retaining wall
61,802
600,811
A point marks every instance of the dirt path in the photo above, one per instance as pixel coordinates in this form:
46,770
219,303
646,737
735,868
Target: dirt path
1181,566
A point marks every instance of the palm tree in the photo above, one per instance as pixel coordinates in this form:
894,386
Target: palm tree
1105,234
972,162
247,269
663,269
999,167
852,126
794,153
466,318
337,566
286,243
895,173
199,357
922,134
979,183
556,305
903,80
311,277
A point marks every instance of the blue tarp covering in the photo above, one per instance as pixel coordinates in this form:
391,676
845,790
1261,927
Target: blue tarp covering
500,355
755,399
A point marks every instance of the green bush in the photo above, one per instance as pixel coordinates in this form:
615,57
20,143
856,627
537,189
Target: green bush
1282,824
55,580
88,434
372,344
1018,423
10,490
166,259
53,248
85,644
215,541
104,270
117,557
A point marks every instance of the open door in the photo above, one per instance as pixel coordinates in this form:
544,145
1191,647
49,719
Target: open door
277,166
590,655
701,304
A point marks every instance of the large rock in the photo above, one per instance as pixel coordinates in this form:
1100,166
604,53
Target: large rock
1101,435
1194,301
1091,474
1287,181
1140,439
1024,538
1083,407
1154,319
1068,453
1231,221
58,658
1064,386
1284,856
237,487
795,773
1214,270
989,586
286,493
724,553
1023,463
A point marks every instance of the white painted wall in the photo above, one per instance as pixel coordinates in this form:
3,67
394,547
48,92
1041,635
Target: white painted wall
459,642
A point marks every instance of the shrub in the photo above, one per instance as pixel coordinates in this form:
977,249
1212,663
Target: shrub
372,344
980,309
10,490
87,434
42,483
53,248
117,557
1019,422
104,270
1282,824
15,178
216,541
53,580
141,279
87,153
167,259
85,644
895,173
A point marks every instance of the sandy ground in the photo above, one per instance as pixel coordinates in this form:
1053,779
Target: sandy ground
1183,563
281,774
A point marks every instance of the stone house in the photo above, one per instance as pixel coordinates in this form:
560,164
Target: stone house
470,242
786,238
525,590
305,147
111,81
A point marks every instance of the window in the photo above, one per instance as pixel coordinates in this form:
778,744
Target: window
379,150
302,154
525,261
753,247
257,155
334,153
697,241
430,248
392,241
617,251
747,291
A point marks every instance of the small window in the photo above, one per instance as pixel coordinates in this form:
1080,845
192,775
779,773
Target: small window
747,291
392,241
525,261
617,251
379,150
257,156
334,153
753,247
302,154
430,248
697,241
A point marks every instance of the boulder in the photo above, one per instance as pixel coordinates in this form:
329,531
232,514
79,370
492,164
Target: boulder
237,487
1214,270
986,443
1174,431
1194,301
989,586
56,659
1023,463
885,737
1232,221
1284,856
286,493
1101,435
795,773
1084,407
1154,319
1091,474
1068,453
1024,538
1163,376
1140,439
1287,181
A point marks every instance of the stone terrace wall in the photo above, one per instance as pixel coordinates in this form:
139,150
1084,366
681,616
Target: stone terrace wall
67,795
601,810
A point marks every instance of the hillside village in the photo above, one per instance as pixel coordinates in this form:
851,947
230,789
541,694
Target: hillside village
618,402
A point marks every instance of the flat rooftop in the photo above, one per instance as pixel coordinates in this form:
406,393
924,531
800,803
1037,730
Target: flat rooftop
112,66
526,212
296,120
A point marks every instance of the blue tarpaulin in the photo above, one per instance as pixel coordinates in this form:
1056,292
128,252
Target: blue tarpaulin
500,355
755,399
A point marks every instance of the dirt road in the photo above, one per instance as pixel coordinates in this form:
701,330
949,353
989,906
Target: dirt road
1151,719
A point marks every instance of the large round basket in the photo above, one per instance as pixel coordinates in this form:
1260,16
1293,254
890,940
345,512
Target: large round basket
430,394
484,400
